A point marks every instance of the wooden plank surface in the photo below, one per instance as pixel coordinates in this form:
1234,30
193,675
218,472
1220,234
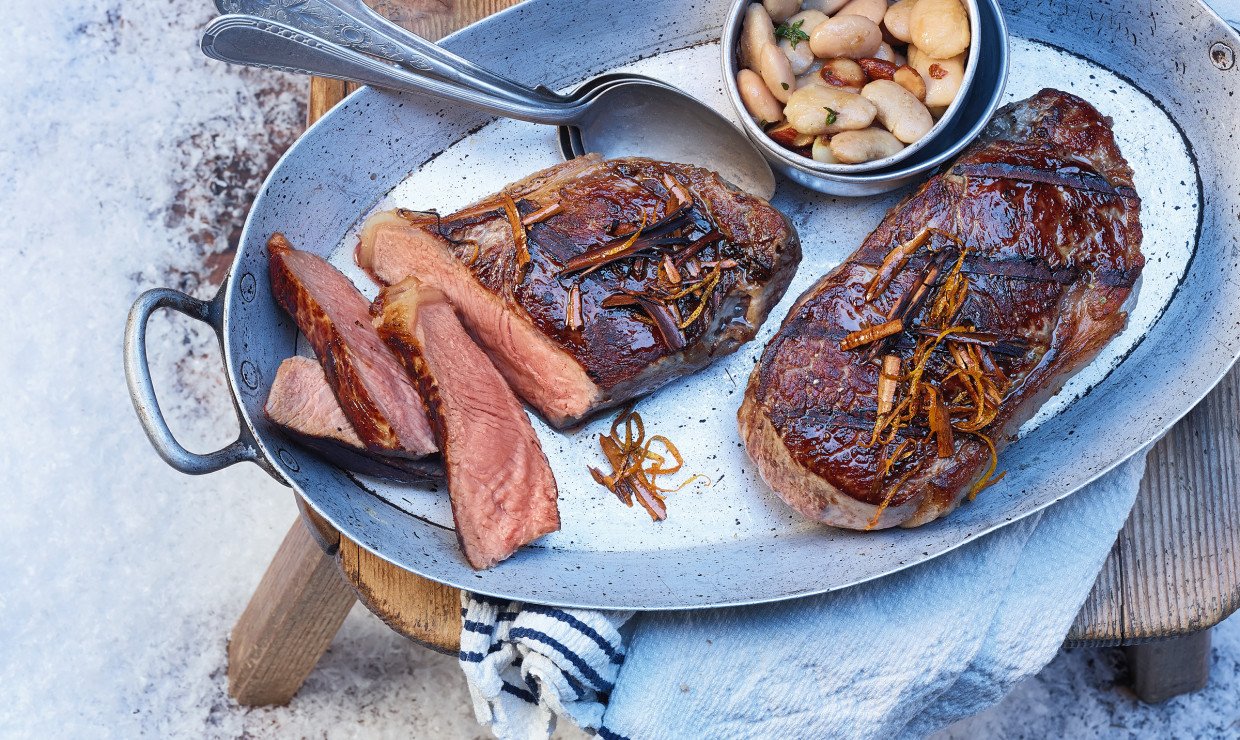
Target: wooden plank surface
420,609
324,94
290,621
1173,570
434,19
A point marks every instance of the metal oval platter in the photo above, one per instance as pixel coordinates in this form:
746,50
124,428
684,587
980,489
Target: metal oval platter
733,541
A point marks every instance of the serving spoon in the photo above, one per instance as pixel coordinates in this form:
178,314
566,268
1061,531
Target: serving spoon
614,115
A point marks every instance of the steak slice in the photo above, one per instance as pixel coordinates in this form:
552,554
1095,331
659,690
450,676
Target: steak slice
572,340
502,489
302,403
1043,210
376,395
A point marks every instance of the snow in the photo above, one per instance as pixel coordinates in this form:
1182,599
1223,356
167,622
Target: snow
128,161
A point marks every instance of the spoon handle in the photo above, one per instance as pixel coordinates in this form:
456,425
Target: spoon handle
353,25
258,42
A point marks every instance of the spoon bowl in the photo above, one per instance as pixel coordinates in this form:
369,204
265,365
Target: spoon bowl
634,115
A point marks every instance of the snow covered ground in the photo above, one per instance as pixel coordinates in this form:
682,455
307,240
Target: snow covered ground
128,161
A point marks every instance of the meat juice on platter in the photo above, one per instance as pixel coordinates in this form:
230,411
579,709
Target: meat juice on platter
737,500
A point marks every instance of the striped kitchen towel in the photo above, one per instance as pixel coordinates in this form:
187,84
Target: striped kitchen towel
898,657
528,664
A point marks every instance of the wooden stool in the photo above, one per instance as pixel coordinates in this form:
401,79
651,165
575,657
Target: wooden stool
1173,574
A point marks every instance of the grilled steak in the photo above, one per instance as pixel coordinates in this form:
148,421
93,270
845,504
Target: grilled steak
502,490
376,395
303,404
583,281
1028,247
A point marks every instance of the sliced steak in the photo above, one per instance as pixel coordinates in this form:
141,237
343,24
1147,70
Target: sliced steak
1043,210
502,489
575,304
376,395
302,403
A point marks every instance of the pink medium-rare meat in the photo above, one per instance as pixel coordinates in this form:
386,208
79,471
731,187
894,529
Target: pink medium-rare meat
377,397
596,281
502,490
302,403
301,400
1001,277
536,368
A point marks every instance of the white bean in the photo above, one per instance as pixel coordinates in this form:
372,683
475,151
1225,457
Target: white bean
757,33
896,20
911,80
872,9
757,98
842,72
822,150
781,10
800,57
867,145
899,112
824,6
788,137
850,36
939,27
819,110
943,77
776,70
809,19
886,53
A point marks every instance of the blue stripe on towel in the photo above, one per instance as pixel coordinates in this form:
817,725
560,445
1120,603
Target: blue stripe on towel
582,666
532,684
520,693
506,616
581,627
478,627
575,684
470,657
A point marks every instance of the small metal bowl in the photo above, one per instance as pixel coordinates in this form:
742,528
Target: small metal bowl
980,94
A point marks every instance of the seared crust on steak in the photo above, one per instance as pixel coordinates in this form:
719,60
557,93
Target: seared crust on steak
1044,208
518,314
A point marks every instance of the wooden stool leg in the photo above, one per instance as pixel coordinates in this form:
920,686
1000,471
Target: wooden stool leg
291,619
1163,670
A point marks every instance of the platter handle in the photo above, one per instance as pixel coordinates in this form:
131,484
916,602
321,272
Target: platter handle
142,390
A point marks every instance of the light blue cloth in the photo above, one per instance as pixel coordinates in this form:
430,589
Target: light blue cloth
901,656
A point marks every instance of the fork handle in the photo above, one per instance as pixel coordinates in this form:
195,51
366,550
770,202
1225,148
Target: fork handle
258,42
353,25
